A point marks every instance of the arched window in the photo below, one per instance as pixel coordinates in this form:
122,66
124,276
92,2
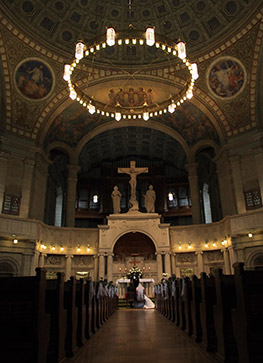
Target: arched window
59,207
207,204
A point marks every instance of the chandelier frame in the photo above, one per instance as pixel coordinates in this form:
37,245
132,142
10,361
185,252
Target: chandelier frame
131,37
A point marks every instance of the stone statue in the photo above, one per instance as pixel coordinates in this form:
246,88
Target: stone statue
116,200
150,198
133,172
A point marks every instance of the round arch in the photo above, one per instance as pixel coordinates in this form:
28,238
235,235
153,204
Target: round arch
9,267
134,243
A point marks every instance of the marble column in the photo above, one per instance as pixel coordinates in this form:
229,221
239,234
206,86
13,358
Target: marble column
225,184
101,266
173,265
68,268
39,185
71,194
109,267
227,267
238,187
258,154
167,262
96,268
159,266
194,189
232,257
200,263
4,161
26,187
41,260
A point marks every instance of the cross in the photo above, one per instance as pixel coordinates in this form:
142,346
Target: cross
133,172
134,261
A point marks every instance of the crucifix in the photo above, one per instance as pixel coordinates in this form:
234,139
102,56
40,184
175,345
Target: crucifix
133,172
134,261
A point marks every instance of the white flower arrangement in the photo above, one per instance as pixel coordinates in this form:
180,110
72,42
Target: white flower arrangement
135,270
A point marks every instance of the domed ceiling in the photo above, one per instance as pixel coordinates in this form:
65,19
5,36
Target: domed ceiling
200,23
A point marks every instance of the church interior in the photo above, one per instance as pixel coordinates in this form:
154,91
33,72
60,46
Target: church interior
180,117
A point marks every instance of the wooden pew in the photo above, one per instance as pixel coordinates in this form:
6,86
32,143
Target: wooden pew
207,313
225,302
55,307
195,308
81,313
248,315
23,320
176,302
94,315
187,302
181,305
88,295
70,306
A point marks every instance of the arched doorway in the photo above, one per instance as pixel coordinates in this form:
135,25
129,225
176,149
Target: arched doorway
134,249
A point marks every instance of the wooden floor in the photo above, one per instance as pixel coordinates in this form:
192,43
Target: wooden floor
135,336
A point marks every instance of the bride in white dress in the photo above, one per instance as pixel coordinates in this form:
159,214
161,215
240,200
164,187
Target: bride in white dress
140,295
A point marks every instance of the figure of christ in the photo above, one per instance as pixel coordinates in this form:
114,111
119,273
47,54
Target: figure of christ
133,172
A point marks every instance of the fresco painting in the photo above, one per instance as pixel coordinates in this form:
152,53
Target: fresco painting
34,79
226,78
75,122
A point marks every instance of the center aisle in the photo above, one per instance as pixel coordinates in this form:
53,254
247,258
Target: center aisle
140,336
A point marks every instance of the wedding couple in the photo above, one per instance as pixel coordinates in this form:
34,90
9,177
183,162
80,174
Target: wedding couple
141,301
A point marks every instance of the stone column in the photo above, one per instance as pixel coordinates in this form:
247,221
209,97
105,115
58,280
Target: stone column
39,185
34,263
159,266
71,194
232,257
68,268
227,267
238,186
41,260
109,267
4,160
200,263
194,189
101,266
258,154
26,187
173,264
96,269
225,185
167,261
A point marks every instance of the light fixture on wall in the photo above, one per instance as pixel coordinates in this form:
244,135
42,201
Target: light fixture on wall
88,247
117,108
95,198
189,244
15,241
250,234
170,196
206,243
53,247
180,245
78,248
224,242
61,248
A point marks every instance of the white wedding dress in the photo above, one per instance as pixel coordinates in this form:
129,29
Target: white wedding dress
148,304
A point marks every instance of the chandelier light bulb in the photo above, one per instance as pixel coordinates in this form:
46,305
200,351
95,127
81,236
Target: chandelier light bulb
67,72
181,50
195,71
79,52
73,94
110,37
150,36
91,108
146,116
117,116
171,108
189,94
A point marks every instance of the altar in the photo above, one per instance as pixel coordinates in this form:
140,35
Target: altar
122,285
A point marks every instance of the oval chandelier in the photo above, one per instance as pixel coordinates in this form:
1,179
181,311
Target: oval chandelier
131,37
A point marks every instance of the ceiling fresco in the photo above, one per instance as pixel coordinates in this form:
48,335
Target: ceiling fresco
200,23
75,122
